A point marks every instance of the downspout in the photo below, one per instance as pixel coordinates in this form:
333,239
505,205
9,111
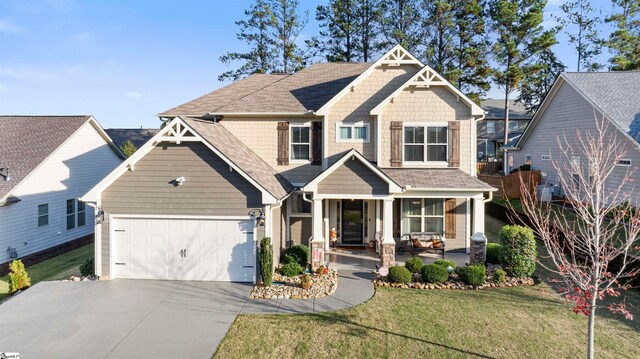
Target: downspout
490,197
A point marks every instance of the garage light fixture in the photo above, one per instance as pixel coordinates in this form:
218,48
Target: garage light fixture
258,215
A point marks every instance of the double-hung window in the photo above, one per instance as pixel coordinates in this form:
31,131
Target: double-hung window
43,215
491,126
425,143
300,142
76,214
352,133
423,215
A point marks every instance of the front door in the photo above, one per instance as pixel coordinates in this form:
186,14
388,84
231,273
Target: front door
352,221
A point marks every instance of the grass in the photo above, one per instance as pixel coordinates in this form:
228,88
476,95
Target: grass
396,323
60,267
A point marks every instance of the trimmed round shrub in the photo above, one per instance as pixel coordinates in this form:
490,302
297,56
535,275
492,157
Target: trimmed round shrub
398,274
499,276
87,268
473,275
300,253
414,264
291,269
434,273
494,253
518,251
445,263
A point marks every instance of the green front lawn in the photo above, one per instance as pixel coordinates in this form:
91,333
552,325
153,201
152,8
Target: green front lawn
60,267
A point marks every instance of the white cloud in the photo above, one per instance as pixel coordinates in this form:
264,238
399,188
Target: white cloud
133,94
8,27
82,37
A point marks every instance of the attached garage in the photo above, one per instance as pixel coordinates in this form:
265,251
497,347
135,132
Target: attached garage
212,249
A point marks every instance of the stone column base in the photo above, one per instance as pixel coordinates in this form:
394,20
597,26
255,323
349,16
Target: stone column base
387,254
478,250
317,255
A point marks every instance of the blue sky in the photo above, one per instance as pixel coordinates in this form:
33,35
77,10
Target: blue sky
124,61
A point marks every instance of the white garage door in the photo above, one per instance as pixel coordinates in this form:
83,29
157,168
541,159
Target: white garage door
184,249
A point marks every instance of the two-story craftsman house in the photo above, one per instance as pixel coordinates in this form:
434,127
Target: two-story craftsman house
386,147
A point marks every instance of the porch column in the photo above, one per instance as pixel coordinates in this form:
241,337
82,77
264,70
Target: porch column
478,252
317,241
388,246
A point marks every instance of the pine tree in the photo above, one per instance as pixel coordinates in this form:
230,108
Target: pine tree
339,30
128,148
400,24
255,32
440,27
537,86
624,42
520,37
368,15
287,25
581,26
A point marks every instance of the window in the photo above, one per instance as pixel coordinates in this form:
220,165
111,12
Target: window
71,214
81,215
575,170
513,126
300,142
491,127
624,162
527,159
43,215
299,206
482,149
546,157
352,133
429,148
423,215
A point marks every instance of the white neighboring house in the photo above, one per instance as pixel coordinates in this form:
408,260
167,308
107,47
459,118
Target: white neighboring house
46,163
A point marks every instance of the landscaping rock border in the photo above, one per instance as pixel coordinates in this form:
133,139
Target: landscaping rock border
322,285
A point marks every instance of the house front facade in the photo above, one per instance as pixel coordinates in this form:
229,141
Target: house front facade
46,163
349,153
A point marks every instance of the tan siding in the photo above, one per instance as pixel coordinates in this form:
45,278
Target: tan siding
210,188
353,177
300,230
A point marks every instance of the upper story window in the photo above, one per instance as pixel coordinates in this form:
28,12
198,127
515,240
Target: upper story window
624,162
352,133
491,126
300,142
43,214
513,126
425,143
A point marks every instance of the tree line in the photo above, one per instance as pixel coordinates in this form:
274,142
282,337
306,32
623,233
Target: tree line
475,44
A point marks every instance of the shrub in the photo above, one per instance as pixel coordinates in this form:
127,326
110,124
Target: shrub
413,264
291,269
306,281
300,253
494,253
445,263
434,273
286,259
87,268
265,258
398,274
473,275
518,250
18,277
499,276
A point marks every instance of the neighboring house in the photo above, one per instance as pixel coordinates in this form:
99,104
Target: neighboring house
574,103
491,128
137,136
374,150
46,163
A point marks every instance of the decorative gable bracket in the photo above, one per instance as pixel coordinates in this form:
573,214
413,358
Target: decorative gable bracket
178,133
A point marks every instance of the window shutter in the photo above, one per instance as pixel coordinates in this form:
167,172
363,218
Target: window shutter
450,218
396,143
316,143
283,143
454,144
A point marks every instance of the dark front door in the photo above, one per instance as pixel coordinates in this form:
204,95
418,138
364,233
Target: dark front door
351,221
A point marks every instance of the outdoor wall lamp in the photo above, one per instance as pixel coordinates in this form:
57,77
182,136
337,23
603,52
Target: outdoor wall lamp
99,215
4,172
258,215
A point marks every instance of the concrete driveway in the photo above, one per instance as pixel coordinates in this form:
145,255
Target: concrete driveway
120,319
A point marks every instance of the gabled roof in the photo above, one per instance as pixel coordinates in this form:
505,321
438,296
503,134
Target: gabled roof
27,141
495,110
444,179
137,136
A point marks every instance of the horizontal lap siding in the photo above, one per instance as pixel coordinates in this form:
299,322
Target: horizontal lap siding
210,188
353,177
300,230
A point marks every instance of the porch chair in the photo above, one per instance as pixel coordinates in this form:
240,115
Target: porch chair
427,242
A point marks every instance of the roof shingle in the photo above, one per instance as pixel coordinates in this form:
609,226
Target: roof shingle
435,178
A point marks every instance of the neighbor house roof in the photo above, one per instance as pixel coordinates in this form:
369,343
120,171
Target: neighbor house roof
436,179
26,141
137,136
300,92
237,152
495,110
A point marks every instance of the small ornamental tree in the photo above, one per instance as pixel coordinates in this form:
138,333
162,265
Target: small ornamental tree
18,277
266,261
128,148
601,226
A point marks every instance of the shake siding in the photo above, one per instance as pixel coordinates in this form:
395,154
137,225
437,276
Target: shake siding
69,173
210,188
355,106
353,177
567,113
428,105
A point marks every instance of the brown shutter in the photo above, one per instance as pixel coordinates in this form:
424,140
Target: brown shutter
450,218
316,143
454,144
283,143
397,218
396,143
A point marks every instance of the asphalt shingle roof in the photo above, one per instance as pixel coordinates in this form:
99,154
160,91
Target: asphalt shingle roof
138,136
238,153
617,94
26,141
495,110
438,178
306,90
